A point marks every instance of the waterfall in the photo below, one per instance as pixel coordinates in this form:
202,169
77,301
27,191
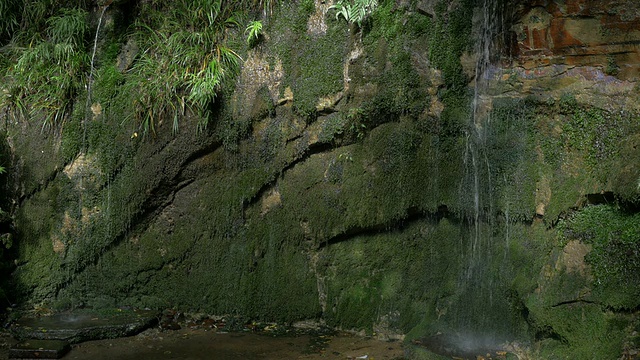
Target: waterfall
91,71
479,306
88,112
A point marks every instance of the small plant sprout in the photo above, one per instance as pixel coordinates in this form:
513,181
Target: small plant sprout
253,32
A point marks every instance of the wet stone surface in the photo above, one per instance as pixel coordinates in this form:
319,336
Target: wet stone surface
39,349
194,344
84,325
180,336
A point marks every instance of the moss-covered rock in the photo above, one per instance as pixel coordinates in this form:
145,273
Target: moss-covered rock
342,176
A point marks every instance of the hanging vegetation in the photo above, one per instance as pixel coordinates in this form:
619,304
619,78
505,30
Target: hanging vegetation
48,66
183,60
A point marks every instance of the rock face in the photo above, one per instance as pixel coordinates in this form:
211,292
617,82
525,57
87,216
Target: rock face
344,177
84,325
580,33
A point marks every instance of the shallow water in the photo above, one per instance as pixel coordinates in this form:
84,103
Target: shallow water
195,344
201,344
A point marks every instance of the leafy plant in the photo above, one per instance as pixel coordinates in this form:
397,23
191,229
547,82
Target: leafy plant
69,27
9,19
49,71
253,32
354,11
183,62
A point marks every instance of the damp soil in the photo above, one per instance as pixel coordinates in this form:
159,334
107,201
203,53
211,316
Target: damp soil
201,343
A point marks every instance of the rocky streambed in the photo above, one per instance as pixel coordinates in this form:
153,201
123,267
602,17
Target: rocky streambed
126,334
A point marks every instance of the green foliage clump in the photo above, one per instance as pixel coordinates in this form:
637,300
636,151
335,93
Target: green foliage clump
354,11
580,331
586,313
183,63
253,32
48,71
10,19
593,132
46,62
615,256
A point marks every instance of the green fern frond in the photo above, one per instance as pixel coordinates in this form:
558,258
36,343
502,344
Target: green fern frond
253,32
354,11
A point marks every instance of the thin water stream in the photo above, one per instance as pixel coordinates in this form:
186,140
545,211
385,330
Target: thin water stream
480,306
93,56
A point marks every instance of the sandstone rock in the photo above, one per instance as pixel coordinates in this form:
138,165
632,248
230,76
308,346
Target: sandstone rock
580,33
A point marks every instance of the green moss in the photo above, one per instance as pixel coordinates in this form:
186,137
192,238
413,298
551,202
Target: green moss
364,286
107,84
400,92
317,68
312,64
179,263
335,125
626,179
40,272
71,142
615,257
450,37
511,157
579,315
584,331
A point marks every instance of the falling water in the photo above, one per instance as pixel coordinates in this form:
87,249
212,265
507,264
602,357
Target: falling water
93,54
479,306
88,103
91,70
87,117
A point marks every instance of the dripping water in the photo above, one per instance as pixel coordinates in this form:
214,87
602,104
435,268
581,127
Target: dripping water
91,71
88,112
479,311
83,150
93,53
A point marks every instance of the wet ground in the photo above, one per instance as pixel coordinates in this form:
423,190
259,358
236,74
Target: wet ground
200,344
192,343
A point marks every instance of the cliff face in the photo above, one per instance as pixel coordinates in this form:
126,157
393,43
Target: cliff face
579,33
343,176
585,47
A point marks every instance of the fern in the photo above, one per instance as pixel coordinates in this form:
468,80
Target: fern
253,32
354,11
